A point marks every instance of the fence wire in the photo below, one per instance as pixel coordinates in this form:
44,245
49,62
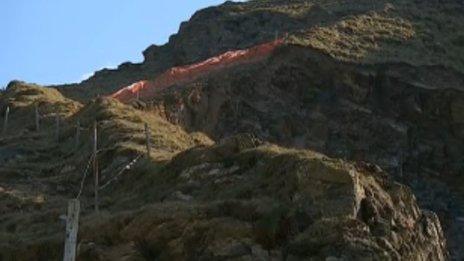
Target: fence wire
124,168
91,158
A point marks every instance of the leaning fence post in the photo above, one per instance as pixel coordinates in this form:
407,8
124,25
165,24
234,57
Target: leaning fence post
72,226
37,118
5,120
95,164
147,138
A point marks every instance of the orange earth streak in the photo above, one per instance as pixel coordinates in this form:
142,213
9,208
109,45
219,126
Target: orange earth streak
183,74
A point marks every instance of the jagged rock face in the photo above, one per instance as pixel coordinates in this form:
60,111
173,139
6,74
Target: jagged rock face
209,32
299,98
369,32
344,85
246,201
241,199
303,99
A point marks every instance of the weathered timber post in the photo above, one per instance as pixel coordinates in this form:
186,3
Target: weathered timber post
147,138
78,133
37,118
95,164
5,120
72,226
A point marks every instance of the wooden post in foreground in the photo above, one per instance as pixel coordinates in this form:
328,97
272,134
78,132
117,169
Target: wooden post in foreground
37,118
5,120
147,138
95,164
72,226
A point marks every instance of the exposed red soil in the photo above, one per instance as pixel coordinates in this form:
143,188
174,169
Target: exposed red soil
183,74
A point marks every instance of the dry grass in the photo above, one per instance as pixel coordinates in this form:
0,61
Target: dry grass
429,35
122,127
21,95
366,31
356,38
38,175
292,9
22,98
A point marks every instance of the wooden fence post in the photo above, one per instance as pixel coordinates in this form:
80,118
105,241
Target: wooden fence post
5,120
72,226
147,138
95,164
37,118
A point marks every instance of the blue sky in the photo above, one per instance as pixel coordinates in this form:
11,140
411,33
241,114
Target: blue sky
64,41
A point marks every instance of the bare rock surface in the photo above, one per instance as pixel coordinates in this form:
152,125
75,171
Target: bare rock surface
252,201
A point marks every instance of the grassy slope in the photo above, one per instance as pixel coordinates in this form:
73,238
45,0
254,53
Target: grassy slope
38,174
415,32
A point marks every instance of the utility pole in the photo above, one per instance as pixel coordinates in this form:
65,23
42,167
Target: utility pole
5,120
95,164
147,138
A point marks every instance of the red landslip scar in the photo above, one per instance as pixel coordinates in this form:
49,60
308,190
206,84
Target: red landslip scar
184,74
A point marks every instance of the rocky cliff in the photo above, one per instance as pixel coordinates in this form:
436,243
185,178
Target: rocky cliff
416,32
375,86
241,198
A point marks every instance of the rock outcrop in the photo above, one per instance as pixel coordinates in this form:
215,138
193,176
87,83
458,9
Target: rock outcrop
358,31
358,81
243,200
301,98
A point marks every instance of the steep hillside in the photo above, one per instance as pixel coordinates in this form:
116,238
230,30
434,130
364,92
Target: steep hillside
301,98
377,86
177,75
243,200
360,88
416,32
240,199
39,174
